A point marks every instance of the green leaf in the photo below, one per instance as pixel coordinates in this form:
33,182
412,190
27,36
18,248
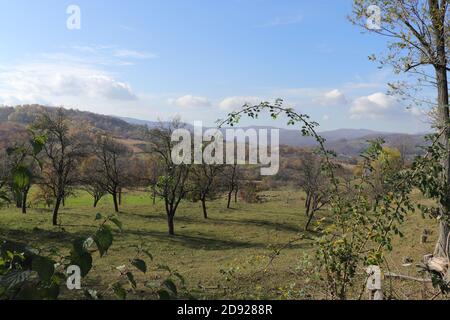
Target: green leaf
2,291
51,292
80,257
119,291
21,177
164,295
140,264
45,268
170,285
14,278
38,144
117,222
131,279
104,239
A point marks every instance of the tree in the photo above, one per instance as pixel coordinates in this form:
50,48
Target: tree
419,35
4,199
231,174
172,184
314,182
93,179
145,171
23,168
63,150
205,185
388,162
112,157
154,171
43,195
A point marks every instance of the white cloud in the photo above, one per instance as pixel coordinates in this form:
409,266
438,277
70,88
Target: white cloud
42,81
331,98
233,103
375,106
124,53
190,101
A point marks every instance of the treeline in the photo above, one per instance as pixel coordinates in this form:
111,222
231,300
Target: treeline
28,114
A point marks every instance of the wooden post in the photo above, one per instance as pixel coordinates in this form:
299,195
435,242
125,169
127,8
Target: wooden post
374,283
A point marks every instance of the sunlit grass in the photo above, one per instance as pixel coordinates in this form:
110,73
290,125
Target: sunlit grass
241,238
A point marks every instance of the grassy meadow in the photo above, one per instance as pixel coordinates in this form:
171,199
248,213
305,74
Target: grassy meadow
226,256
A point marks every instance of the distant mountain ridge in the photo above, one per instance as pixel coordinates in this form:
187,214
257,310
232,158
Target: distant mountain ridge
346,142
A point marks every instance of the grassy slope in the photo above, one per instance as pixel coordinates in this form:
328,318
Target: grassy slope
238,239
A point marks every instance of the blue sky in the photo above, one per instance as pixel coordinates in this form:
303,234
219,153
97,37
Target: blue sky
198,59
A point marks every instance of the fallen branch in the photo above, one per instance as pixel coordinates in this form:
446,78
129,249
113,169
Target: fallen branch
403,277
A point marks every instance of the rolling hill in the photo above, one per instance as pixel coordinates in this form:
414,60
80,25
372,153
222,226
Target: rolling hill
346,142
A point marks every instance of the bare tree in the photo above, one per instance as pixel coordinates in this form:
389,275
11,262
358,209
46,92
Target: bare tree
172,184
151,171
419,35
93,179
230,174
63,149
205,183
314,183
112,157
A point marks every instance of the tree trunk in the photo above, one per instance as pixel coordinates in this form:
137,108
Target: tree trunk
308,204
310,218
443,101
56,210
116,204
444,228
96,200
24,200
120,196
171,224
18,199
205,213
230,194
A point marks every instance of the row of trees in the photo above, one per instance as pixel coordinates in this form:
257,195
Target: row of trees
61,157
198,182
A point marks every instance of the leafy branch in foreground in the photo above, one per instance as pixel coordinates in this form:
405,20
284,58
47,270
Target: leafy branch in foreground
27,274
360,226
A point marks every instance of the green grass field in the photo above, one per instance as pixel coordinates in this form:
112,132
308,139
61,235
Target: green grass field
223,257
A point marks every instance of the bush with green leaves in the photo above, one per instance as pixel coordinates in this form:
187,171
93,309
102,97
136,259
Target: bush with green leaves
25,273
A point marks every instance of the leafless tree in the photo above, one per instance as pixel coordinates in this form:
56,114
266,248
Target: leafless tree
172,184
113,157
231,178
205,181
314,183
63,149
93,179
